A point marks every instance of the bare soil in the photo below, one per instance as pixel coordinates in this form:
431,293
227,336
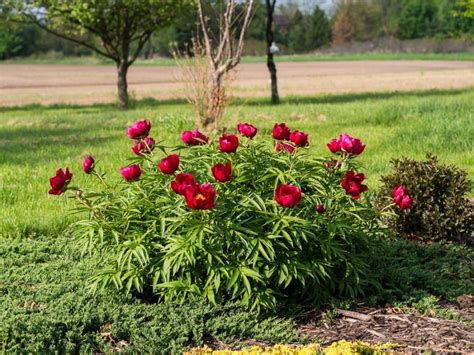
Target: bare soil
50,84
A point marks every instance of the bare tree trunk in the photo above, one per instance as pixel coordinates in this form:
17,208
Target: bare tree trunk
223,55
217,104
270,61
122,86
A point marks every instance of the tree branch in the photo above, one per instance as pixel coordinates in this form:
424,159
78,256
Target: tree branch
69,38
205,32
141,42
225,31
245,25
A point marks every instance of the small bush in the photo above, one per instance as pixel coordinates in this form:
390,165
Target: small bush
230,218
440,209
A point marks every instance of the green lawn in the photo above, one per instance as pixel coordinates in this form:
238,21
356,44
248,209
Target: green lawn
44,303
36,140
317,57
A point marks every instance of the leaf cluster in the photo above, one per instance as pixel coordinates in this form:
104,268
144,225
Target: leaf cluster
441,210
247,248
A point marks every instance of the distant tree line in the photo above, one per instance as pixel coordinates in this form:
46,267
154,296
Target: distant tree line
295,30
365,20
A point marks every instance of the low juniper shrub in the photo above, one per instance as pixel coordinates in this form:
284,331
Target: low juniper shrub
440,209
231,218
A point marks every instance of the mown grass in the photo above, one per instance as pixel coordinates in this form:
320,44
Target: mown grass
312,57
36,140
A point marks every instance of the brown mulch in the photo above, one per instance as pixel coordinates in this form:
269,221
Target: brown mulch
413,332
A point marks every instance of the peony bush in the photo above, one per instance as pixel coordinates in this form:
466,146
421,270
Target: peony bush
238,216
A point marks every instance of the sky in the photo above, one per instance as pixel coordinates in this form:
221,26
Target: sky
308,5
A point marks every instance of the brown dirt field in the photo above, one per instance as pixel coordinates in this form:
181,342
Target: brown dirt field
49,84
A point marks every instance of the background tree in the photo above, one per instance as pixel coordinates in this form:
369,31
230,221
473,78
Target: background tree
222,49
270,4
117,30
319,29
176,36
417,19
342,30
311,32
363,18
463,15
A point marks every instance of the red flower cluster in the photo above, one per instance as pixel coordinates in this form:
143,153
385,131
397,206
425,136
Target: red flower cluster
247,130
200,197
320,209
222,172
143,146
299,139
139,129
203,196
182,182
169,164
60,181
284,146
131,173
287,195
282,132
197,197
194,137
346,144
401,197
352,183
88,164
228,143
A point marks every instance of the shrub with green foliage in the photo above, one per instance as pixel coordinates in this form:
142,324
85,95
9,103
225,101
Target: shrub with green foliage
440,207
274,222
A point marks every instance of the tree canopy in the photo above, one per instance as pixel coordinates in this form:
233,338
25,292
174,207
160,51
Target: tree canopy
117,29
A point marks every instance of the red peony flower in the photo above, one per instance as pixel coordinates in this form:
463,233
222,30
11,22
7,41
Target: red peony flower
401,197
200,197
334,145
182,182
351,145
320,209
222,172
287,195
139,129
247,130
281,131
284,146
228,143
300,139
352,183
169,164
405,203
144,146
88,164
193,137
60,181
131,173
346,143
